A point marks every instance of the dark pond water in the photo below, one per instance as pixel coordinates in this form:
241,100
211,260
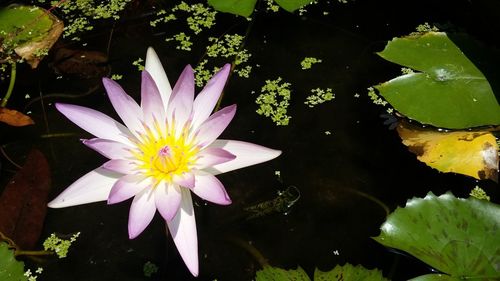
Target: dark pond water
332,221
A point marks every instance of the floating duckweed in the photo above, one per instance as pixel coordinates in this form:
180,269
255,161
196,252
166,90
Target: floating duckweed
423,28
328,133
319,96
356,95
244,72
202,75
375,98
149,269
307,62
274,101
138,62
58,245
183,40
77,14
406,70
116,77
271,6
228,47
479,193
200,17
162,17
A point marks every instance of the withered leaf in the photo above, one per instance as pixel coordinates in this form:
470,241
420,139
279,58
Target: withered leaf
23,203
465,152
14,117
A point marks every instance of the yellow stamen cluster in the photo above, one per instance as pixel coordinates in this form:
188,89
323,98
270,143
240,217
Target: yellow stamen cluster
162,154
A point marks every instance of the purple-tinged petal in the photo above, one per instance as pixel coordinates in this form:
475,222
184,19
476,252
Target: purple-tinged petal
181,100
154,67
120,166
206,100
213,155
126,187
247,154
151,102
183,230
168,199
209,188
96,123
141,213
92,187
126,107
215,125
108,148
185,179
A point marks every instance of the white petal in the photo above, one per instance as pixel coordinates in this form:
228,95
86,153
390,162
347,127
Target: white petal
128,186
92,187
211,156
96,123
184,180
126,107
168,200
108,148
206,100
209,188
151,102
154,67
183,230
120,166
142,211
247,154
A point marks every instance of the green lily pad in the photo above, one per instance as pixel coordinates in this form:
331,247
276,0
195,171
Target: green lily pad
238,7
447,91
270,273
29,31
349,272
345,272
459,237
10,268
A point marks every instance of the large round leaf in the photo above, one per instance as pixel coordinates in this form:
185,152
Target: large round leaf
10,268
449,91
459,237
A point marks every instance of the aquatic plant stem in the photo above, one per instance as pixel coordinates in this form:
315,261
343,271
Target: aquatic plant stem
233,64
371,198
251,249
11,84
32,253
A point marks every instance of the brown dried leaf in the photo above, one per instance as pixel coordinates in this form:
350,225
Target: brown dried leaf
14,117
23,203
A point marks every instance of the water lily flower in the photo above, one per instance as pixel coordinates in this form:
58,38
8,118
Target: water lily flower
167,149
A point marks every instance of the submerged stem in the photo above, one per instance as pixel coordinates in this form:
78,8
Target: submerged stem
11,84
371,198
251,249
32,253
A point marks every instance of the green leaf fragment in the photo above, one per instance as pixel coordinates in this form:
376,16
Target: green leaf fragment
458,237
292,5
447,91
349,272
238,7
10,268
269,273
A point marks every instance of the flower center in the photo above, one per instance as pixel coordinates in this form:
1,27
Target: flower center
163,157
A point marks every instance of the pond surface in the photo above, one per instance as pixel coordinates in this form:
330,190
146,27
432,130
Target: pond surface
338,158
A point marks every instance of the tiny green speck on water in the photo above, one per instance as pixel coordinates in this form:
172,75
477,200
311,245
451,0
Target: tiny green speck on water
116,77
376,99
138,62
149,269
183,40
319,96
479,193
307,62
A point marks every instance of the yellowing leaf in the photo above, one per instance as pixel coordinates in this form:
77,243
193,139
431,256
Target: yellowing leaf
470,153
14,118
